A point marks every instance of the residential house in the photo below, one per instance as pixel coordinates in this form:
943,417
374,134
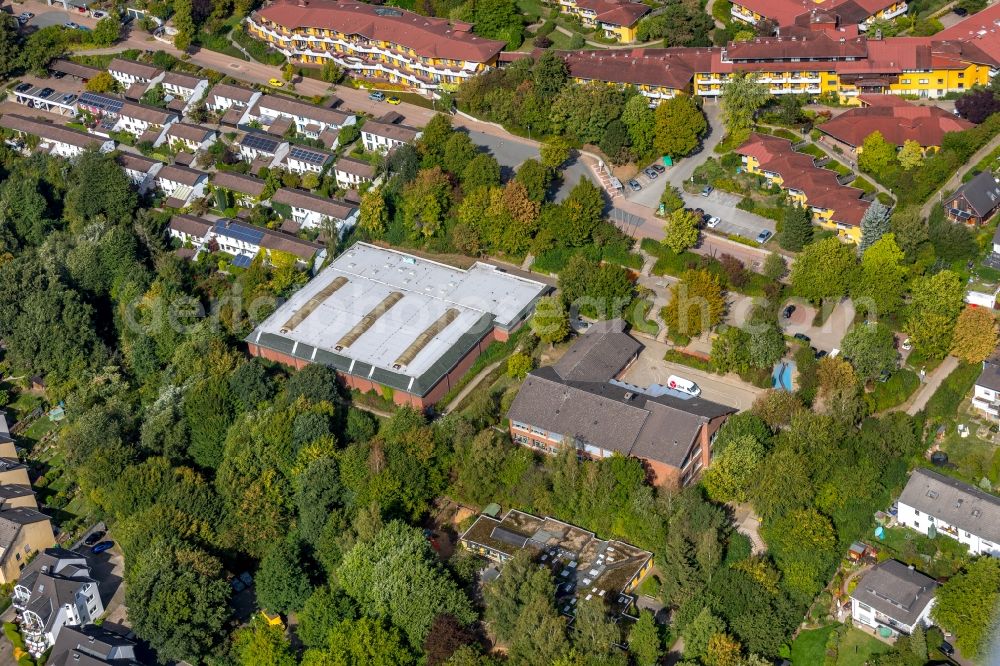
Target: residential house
301,159
245,242
380,136
13,471
188,228
583,567
581,403
351,172
656,73
224,97
188,88
180,185
313,211
894,597
616,19
187,137
831,205
257,147
83,73
896,119
144,121
976,201
55,590
14,496
24,531
376,42
847,13
129,72
309,120
55,139
92,645
141,170
938,505
242,190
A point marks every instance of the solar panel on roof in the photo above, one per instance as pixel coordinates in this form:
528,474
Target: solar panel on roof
242,260
239,232
258,142
102,102
310,156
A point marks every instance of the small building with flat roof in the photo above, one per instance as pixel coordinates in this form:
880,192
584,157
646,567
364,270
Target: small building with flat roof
582,566
392,322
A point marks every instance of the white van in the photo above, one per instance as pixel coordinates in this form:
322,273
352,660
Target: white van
683,385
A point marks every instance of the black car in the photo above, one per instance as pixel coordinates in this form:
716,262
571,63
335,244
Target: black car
44,94
659,167
93,538
802,337
58,75
787,312
821,353
947,649
23,87
961,11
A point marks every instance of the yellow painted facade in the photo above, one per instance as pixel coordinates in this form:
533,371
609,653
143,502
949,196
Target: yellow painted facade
383,59
621,33
746,15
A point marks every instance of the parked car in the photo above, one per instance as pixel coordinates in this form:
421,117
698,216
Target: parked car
23,87
787,312
70,25
650,173
103,546
763,236
68,98
24,17
275,83
961,11
58,75
820,354
394,100
907,345
712,222
659,167
98,14
947,649
237,585
376,96
45,92
246,578
683,385
634,185
93,538
705,191
802,337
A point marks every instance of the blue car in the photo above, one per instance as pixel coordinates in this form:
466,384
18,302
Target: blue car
101,547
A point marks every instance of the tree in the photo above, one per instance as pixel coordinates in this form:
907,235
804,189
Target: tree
331,71
398,576
535,179
446,636
362,641
730,350
373,215
679,126
698,634
733,472
262,644
834,375
42,47
550,321
554,152
911,155
775,266
595,634
742,96
968,606
918,642
723,650
671,199
878,289
615,142
641,123
681,230
877,156
696,304
765,344
184,22
498,19
797,229
549,75
10,45
425,201
518,365
323,610
99,189
288,72
870,348
824,270
910,229
935,303
482,171
977,105
644,640
582,210
177,600
975,335
874,224
282,584
107,31
458,152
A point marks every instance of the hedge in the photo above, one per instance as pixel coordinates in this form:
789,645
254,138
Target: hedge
695,362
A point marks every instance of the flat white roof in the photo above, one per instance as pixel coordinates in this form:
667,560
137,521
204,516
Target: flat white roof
428,294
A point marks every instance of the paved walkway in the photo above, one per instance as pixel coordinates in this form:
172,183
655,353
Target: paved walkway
956,179
927,389
471,386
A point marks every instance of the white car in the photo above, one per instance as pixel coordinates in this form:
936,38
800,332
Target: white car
70,25
713,222
907,345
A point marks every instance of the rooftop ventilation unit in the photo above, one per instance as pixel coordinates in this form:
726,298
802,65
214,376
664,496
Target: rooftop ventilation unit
368,320
300,315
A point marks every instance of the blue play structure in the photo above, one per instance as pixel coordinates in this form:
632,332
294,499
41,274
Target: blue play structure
781,378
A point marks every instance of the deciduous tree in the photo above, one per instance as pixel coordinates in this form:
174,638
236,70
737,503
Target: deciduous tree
967,605
679,125
425,202
935,304
699,633
824,270
871,349
733,471
644,641
681,230
877,156
975,335
374,214
911,155
696,304
881,281
550,321
742,96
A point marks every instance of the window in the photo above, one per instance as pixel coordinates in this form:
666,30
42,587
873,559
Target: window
867,609
916,524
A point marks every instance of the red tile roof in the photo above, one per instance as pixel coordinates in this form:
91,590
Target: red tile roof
672,68
785,12
981,30
615,12
897,122
798,171
431,37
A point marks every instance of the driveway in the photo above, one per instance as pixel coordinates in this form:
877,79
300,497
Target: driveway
734,220
51,16
826,337
650,368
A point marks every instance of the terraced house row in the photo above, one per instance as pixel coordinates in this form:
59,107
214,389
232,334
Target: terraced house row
375,42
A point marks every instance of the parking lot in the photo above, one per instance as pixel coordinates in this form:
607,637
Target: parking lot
652,189
733,219
826,337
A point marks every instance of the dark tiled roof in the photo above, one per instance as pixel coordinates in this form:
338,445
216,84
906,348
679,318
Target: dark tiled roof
237,182
133,68
401,133
181,80
600,354
180,174
990,376
897,591
982,193
189,224
299,199
966,507
49,131
189,132
90,645
236,93
355,167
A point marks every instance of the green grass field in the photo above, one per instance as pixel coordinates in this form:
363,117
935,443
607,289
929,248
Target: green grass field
855,649
809,647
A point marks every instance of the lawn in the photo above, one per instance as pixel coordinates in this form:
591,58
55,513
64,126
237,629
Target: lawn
939,557
857,647
809,647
